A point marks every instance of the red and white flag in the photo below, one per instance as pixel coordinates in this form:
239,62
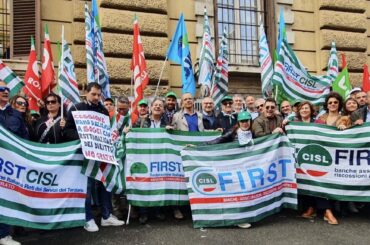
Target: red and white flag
138,67
47,76
32,86
366,79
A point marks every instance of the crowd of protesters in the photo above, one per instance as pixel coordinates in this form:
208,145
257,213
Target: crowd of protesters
237,118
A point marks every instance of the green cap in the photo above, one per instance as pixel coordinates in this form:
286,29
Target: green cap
143,102
171,94
226,98
244,115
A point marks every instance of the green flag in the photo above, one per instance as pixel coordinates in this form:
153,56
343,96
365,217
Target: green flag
342,84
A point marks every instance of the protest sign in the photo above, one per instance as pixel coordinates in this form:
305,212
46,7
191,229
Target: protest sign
95,134
331,163
230,184
41,189
154,172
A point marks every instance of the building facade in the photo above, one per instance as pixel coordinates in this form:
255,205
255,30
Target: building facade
311,27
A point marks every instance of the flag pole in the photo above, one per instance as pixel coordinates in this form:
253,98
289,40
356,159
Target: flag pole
60,70
160,76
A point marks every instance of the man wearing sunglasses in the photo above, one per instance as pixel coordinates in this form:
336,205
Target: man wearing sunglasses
268,122
227,118
12,120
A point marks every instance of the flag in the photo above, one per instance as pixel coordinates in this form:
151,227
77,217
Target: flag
138,68
342,84
267,69
332,71
89,45
221,76
281,34
366,79
153,168
32,80
179,53
47,75
13,82
331,163
100,66
294,82
43,188
344,62
230,185
207,59
67,78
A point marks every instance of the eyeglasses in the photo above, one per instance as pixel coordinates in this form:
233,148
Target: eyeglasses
270,107
333,102
244,121
21,103
259,106
228,103
3,89
51,102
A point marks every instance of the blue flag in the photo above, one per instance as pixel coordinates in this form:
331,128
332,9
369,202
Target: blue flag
179,53
282,31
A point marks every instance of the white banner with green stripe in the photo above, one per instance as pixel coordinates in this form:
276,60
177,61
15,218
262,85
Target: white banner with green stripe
41,185
154,172
230,184
331,163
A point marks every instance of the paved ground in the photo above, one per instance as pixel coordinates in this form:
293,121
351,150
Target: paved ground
285,228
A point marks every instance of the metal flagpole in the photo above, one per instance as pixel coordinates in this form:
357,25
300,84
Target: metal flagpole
160,76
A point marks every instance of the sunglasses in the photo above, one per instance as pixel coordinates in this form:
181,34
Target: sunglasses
259,106
333,102
228,103
270,107
244,121
51,102
3,89
21,103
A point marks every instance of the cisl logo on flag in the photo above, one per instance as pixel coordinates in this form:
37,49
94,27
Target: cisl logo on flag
312,160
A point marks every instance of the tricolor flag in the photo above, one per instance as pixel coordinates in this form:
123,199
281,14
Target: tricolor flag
138,68
32,86
47,75
332,71
267,69
221,77
207,59
179,53
14,83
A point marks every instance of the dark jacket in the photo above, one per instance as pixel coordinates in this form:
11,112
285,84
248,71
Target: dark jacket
359,114
226,122
147,122
229,136
13,121
208,123
55,133
70,132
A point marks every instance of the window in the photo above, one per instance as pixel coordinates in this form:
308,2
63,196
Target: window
5,29
242,19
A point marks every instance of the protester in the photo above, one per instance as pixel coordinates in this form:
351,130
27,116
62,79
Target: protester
361,98
363,114
259,105
208,112
350,106
268,122
92,103
109,105
353,92
49,128
187,119
251,108
143,108
285,109
227,119
12,120
295,106
155,120
237,103
20,104
332,106
170,107
123,113
305,112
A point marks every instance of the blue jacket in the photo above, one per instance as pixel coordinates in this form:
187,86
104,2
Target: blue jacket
13,121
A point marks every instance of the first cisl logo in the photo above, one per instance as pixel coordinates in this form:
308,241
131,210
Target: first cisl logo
206,182
313,160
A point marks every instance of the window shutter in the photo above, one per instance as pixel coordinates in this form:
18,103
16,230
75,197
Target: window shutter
24,19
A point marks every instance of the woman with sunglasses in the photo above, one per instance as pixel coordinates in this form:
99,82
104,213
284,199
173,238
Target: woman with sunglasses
49,128
20,104
333,105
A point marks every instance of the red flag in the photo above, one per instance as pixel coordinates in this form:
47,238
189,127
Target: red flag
344,62
47,77
138,67
366,79
32,86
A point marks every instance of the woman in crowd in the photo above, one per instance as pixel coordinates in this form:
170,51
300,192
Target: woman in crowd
344,122
154,120
20,103
305,112
49,128
333,105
